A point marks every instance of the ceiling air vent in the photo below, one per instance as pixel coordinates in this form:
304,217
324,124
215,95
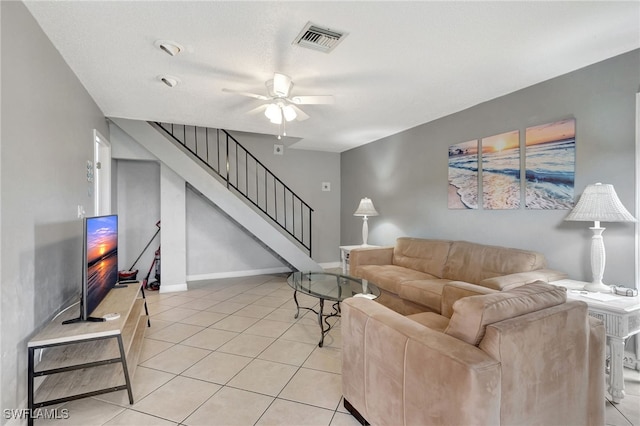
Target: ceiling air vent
318,38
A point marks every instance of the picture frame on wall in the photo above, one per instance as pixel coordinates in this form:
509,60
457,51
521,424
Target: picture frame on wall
550,152
463,175
501,171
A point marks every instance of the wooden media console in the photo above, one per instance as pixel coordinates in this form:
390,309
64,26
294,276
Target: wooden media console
85,359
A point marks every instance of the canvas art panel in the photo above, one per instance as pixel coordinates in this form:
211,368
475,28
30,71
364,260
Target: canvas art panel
550,165
463,175
501,171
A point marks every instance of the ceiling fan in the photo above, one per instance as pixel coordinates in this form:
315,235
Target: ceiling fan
283,107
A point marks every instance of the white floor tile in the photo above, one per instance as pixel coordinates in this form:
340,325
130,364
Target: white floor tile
229,352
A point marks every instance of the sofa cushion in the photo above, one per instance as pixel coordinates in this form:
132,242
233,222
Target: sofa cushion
473,263
390,277
471,315
422,255
424,292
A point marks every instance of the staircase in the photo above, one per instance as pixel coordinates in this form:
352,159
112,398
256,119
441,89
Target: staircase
222,170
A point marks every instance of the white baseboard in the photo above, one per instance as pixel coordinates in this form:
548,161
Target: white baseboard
331,265
235,274
252,272
173,288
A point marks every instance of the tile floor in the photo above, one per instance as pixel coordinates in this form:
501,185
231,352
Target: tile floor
229,352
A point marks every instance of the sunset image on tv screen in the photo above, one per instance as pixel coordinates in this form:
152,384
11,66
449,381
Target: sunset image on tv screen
102,258
102,237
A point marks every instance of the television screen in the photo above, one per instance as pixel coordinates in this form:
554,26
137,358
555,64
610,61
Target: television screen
101,267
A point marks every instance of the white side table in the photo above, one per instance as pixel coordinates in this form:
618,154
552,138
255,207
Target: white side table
621,317
344,256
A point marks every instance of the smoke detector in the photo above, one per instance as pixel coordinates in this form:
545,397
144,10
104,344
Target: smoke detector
171,48
319,38
169,80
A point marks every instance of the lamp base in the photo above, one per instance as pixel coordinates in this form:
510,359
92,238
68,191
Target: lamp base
597,288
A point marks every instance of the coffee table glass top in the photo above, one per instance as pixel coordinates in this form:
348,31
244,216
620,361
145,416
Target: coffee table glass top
330,286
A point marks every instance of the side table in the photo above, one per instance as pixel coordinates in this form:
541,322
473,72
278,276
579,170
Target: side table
621,317
344,256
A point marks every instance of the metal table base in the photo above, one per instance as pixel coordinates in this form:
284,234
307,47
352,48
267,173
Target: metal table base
323,322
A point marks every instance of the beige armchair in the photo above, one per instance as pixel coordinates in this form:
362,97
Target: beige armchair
518,357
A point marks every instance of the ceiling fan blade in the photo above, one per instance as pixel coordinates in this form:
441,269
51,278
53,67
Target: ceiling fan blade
300,114
257,109
248,94
313,100
282,84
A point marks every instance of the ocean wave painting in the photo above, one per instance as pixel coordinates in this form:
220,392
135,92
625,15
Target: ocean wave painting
550,165
463,175
501,171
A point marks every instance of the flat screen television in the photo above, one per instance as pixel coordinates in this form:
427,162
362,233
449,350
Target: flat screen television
100,263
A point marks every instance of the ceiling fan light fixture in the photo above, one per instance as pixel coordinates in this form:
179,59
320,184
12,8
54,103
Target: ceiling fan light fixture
276,120
289,113
273,113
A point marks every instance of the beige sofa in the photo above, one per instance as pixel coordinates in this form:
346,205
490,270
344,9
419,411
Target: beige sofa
412,274
517,357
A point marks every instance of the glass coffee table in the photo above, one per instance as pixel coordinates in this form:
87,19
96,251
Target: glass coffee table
328,286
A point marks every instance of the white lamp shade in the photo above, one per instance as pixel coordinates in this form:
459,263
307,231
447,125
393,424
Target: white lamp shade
599,202
273,113
289,113
366,208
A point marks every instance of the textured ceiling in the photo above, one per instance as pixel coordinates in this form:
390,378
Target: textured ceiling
401,65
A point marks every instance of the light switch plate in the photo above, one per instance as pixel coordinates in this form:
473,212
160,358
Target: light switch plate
326,186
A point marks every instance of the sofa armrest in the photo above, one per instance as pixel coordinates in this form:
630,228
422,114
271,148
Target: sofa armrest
457,290
506,282
369,256
395,369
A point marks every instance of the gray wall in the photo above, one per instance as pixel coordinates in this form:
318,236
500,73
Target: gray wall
216,246
406,174
47,124
138,195
304,171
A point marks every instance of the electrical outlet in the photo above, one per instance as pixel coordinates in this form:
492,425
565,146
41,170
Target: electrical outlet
278,149
326,186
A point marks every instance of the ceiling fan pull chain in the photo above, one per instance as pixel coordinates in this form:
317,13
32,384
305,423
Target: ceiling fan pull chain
284,122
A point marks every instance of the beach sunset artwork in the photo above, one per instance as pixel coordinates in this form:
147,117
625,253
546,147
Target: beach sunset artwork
550,165
463,175
501,171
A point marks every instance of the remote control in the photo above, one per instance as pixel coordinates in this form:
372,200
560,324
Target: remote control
111,317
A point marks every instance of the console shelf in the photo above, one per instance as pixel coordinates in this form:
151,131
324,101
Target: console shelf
89,358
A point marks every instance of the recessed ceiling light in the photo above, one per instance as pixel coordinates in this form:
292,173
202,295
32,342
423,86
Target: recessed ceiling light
169,80
169,47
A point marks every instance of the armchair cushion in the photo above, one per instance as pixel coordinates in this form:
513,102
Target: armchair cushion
471,315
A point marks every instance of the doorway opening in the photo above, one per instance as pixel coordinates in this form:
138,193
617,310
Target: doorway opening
102,175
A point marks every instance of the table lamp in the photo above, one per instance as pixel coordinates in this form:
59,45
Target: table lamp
599,202
365,209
